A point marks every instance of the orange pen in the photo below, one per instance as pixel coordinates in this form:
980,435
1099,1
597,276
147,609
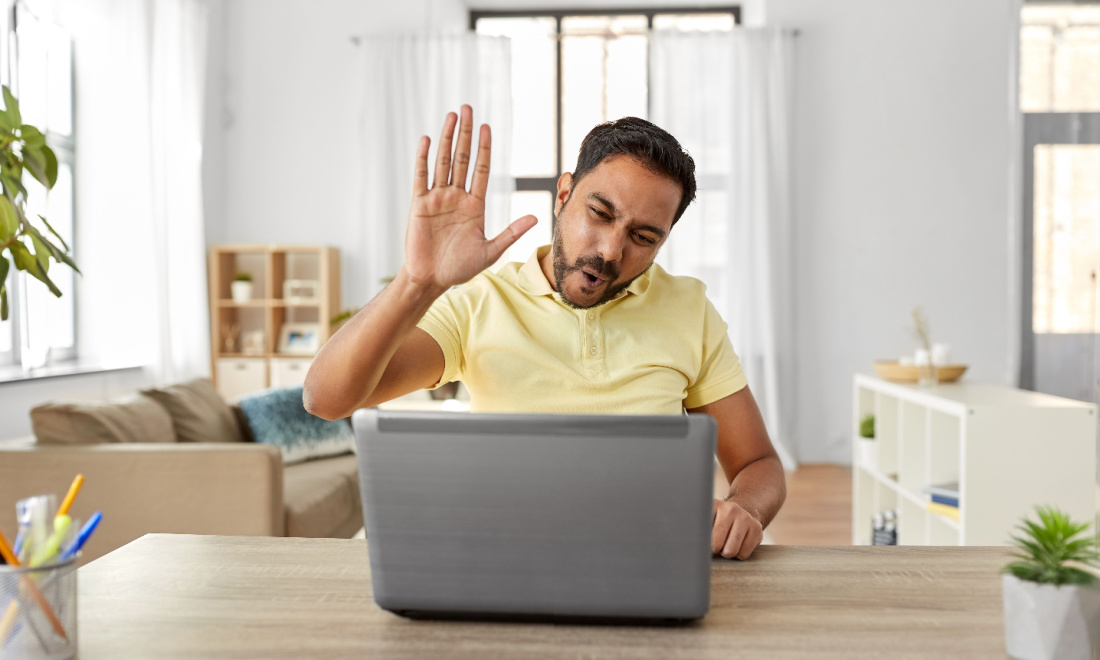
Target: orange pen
74,489
29,585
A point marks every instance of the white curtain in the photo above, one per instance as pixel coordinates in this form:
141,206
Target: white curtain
140,236
177,82
726,97
410,84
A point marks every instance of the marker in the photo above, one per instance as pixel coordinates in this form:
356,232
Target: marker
8,620
49,549
29,585
74,489
82,537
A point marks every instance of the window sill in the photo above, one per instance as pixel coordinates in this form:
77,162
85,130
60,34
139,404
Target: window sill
15,373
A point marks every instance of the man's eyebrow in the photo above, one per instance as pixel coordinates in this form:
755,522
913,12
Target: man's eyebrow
602,200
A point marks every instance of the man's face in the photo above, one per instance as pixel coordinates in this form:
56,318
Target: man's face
609,228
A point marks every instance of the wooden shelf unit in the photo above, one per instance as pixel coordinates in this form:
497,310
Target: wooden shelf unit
1008,449
237,373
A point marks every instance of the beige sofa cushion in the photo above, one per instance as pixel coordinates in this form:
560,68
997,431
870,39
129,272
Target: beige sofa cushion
135,418
198,412
322,498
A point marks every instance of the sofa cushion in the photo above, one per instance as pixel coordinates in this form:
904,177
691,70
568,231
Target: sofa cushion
134,418
199,413
322,498
278,417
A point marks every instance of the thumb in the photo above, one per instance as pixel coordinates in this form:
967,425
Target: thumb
509,236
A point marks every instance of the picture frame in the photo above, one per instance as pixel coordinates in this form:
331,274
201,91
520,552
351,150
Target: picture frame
299,338
299,291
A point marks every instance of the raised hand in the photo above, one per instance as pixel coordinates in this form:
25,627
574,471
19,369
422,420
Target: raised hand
445,243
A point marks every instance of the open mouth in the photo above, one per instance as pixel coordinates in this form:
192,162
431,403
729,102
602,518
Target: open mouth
591,280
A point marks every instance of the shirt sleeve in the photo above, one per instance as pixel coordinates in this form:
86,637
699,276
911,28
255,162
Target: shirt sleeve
448,323
720,374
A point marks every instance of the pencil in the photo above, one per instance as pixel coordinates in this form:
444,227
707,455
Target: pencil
71,495
31,587
8,620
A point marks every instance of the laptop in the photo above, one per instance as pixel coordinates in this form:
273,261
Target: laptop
538,517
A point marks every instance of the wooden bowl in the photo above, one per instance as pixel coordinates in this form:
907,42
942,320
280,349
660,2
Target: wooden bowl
905,373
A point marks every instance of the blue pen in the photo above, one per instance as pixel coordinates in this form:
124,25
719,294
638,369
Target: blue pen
82,537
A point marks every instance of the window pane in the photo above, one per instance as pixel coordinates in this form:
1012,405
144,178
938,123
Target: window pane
701,22
536,203
534,84
6,326
32,72
50,320
604,75
1060,58
1067,239
59,82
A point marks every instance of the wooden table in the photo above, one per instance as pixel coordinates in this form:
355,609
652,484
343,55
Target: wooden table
174,596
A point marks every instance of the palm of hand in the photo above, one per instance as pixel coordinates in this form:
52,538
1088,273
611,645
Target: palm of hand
446,243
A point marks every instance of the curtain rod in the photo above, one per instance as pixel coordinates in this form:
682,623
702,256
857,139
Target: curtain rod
357,39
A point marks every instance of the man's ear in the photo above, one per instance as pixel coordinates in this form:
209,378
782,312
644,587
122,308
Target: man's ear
565,188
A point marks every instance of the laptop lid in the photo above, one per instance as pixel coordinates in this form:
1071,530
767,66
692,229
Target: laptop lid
539,515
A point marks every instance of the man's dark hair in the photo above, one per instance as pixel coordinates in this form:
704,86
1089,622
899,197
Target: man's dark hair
653,146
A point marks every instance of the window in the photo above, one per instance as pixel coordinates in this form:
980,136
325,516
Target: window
572,70
42,79
1060,99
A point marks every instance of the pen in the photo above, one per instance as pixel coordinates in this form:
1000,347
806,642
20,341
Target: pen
74,488
28,584
82,536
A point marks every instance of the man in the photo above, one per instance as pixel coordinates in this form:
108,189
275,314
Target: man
589,324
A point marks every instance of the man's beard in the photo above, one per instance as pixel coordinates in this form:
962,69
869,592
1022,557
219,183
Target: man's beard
596,263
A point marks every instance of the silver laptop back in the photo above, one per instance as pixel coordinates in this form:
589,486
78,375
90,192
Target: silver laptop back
520,516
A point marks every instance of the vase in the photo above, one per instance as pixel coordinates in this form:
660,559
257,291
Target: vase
928,375
1044,621
868,453
241,292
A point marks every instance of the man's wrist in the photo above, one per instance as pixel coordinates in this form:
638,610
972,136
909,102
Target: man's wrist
408,288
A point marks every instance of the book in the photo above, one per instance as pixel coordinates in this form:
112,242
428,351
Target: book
949,501
951,512
949,489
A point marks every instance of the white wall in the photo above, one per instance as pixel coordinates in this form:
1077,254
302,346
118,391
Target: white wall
282,140
903,133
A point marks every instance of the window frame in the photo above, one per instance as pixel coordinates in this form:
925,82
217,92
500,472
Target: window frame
64,147
550,183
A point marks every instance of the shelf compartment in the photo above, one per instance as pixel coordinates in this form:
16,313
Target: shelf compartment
886,432
245,261
912,524
913,466
944,450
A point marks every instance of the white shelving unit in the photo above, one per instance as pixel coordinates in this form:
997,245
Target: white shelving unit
1009,449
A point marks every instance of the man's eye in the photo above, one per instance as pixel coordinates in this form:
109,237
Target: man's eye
598,212
645,239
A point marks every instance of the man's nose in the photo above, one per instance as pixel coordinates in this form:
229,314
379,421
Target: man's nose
610,247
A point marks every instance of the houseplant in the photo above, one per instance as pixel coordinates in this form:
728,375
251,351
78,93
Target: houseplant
241,288
1051,597
867,454
22,243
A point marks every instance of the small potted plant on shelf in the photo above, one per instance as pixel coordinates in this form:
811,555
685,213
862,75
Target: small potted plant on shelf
868,454
241,288
1051,589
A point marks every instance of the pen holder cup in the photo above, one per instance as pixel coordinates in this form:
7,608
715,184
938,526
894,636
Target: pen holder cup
38,612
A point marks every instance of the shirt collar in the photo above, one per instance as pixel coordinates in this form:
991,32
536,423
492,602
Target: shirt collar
533,281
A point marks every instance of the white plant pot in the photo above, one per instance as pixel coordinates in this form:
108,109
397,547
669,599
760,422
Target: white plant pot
868,452
241,291
1044,622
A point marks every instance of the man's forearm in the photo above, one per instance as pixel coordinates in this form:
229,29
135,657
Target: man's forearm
350,365
760,488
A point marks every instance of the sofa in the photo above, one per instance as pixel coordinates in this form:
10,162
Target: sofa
202,472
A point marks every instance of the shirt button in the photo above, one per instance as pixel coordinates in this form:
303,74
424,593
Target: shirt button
594,350
591,315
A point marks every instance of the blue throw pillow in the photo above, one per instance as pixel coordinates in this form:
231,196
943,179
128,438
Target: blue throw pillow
278,417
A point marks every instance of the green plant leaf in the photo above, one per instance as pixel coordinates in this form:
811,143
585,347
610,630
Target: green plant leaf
26,261
12,184
41,251
50,248
3,300
31,136
9,221
51,166
35,161
11,106
1046,550
64,245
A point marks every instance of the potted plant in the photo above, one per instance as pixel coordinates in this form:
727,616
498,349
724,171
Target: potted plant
1051,594
868,454
241,288
23,149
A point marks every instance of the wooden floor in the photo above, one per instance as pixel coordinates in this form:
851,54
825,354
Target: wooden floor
818,510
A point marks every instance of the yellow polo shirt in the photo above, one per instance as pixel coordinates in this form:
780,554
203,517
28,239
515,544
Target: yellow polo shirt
657,348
